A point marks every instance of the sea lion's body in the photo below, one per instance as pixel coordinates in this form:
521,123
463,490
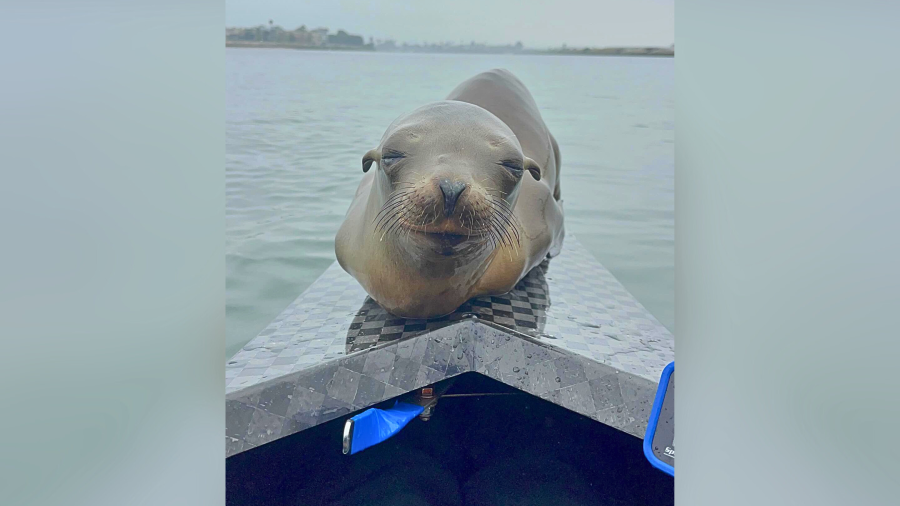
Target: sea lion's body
463,218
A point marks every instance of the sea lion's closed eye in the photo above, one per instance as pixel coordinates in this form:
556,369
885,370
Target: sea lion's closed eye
390,157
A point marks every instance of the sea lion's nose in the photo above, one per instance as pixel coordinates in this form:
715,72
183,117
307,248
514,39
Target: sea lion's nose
451,191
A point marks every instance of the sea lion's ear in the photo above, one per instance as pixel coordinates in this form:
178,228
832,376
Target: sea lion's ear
372,156
533,167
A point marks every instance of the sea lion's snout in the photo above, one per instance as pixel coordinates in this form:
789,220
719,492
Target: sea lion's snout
451,191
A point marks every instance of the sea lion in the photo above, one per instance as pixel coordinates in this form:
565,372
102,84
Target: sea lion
464,202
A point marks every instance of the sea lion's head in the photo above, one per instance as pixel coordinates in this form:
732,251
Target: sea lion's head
448,176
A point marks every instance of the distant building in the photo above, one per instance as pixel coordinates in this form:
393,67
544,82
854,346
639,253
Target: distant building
319,36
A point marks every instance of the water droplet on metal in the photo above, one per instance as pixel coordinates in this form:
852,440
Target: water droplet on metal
529,355
557,379
507,338
515,369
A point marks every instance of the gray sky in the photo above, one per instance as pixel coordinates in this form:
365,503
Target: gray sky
537,24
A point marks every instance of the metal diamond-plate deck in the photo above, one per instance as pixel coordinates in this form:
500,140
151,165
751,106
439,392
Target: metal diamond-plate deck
576,336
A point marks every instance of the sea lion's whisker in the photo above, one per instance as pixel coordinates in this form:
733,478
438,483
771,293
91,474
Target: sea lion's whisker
506,211
471,221
504,232
421,216
390,202
396,223
485,225
399,200
388,227
387,215
394,199
394,202
507,223
491,239
497,229
501,203
503,214
501,192
391,206
514,244
509,227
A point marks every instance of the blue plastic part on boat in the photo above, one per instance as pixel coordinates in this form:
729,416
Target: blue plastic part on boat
373,426
654,420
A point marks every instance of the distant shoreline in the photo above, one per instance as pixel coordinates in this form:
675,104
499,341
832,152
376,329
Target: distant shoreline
651,52
288,45
615,51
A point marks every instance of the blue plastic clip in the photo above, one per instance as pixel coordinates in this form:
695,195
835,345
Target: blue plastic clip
373,426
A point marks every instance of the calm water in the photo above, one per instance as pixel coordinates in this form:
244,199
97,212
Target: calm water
298,122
